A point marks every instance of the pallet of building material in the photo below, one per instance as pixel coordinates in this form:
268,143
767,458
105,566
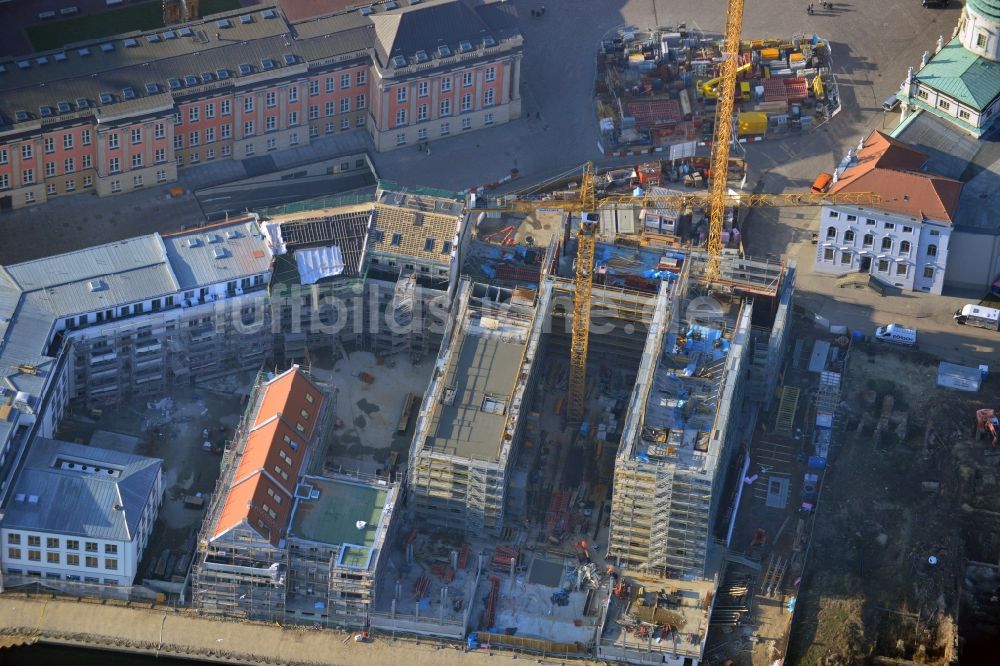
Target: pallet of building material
796,89
421,586
504,555
653,113
775,91
443,572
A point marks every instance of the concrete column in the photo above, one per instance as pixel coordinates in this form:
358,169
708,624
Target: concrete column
515,88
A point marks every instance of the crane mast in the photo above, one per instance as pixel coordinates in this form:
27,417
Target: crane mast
586,239
722,135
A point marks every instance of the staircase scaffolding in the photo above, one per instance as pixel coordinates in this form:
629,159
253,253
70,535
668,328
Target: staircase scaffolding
785,421
400,338
475,500
774,575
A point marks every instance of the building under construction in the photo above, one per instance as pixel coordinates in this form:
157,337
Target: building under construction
280,542
695,360
375,274
469,426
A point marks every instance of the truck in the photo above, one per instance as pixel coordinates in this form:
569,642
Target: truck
896,334
978,315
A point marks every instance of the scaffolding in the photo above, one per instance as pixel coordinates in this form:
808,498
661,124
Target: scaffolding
245,573
680,432
174,345
466,480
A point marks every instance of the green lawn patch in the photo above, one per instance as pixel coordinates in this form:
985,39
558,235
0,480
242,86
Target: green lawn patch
145,16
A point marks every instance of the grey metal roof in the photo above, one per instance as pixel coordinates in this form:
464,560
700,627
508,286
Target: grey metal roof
486,364
426,26
207,50
60,269
74,502
34,295
220,254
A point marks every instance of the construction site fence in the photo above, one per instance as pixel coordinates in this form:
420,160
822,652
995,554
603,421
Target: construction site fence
393,186
528,645
85,591
317,203
418,626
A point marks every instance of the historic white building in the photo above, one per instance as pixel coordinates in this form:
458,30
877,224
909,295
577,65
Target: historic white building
961,81
904,239
80,513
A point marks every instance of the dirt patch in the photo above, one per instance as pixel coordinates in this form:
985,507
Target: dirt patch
891,538
367,407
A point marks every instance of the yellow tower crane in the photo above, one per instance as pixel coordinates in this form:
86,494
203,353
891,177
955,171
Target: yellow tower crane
722,135
716,199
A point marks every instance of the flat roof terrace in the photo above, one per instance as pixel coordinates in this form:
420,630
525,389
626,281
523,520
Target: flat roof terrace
479,382
333,517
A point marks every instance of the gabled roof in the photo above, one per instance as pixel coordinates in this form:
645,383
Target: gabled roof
272,457
70,497
962,75
428,25
890,169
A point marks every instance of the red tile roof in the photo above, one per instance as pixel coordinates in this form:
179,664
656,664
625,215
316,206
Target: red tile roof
891,169
272,458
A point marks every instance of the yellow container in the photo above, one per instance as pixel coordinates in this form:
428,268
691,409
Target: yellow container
751,123
769,54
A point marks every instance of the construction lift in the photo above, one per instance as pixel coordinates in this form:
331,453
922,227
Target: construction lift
716,200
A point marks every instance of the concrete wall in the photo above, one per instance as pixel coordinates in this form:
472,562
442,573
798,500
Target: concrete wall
976,261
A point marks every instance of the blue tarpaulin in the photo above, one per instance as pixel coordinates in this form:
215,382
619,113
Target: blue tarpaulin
817,462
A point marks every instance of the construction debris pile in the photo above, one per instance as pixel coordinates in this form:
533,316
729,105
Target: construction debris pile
657,89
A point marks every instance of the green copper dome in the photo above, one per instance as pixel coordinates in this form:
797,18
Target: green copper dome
989,9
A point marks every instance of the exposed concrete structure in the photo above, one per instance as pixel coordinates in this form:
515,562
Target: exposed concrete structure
395,272
679,461
469,427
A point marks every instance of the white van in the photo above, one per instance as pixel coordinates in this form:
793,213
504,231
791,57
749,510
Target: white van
897,334
978,315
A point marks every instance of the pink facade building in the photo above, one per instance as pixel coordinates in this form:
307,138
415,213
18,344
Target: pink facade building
118,115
